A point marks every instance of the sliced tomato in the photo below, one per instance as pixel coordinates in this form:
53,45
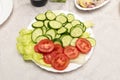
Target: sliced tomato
71,52
36,48
83,45
45,46
60,62
58,48
47,58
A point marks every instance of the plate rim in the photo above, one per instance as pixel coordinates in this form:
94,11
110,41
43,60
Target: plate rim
6,12
50,69
88,9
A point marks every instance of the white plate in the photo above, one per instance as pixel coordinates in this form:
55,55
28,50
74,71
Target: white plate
71,66
5,10
85,9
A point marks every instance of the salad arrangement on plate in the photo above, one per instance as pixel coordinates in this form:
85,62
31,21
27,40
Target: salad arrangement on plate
56,41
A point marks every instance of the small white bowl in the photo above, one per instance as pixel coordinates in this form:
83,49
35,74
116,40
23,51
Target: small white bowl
85,9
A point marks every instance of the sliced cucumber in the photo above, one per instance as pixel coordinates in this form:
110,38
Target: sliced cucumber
57,36
44,29
68,26
48,11
57,41
75,22
76,31
48,36
51,32
61,18
70,17
37,24
83,26
66,40
62,14
41,37
62,30
73,42
50,15
55,24
92,41
46,24
40,17
37,32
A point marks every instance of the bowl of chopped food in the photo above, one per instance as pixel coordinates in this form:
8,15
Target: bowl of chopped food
90,4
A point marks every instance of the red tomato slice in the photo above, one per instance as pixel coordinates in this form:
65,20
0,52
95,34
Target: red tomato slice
58,48
36,48
45,46
83,45
47,58
60,62
71,52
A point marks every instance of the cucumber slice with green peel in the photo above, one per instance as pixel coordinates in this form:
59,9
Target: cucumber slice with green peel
48,36
55,24
76,31
73,42
57,36
92,41
44,29
37,32
83,26
57,41
66,40
46,24
50,15
37,24
70,17
85,35
75,22
52,33
68,26
61,18
41,37
62,14
62,30
40,17
48,11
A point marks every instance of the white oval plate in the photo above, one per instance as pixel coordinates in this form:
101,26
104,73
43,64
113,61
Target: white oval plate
85,9
5,10
71,66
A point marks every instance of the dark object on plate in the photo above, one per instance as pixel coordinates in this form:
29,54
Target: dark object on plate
38,3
